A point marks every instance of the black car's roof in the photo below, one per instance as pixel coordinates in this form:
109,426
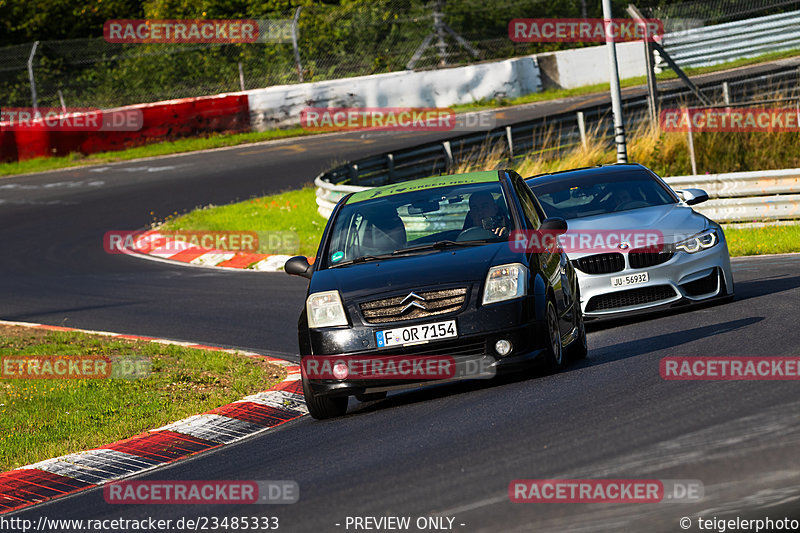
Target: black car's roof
588,172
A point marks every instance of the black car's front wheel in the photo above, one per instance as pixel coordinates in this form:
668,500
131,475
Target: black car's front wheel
321,407
554,351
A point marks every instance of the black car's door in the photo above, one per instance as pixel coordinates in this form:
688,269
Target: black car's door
553,261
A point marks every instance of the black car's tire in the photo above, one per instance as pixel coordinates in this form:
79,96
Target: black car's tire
322,407
554,351
579,348
371,397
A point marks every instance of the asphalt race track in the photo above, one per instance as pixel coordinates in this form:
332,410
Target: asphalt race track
442,451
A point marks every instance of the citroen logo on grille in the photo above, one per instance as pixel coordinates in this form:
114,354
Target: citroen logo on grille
414,300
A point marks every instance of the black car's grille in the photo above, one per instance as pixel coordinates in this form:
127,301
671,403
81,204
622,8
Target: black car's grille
703,285
644,257
438,302
643,295
455,347
600,263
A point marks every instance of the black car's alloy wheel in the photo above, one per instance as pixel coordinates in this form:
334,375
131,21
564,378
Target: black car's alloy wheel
554,353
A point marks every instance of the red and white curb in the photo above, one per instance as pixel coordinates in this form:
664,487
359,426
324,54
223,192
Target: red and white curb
53,478
153,245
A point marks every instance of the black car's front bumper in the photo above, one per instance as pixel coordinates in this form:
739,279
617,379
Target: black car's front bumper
478,331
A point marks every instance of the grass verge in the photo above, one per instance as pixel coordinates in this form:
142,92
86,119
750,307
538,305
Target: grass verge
294,211
300,215
44,418
775,239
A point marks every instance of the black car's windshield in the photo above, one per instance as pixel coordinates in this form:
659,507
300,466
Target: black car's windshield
420,221
571,197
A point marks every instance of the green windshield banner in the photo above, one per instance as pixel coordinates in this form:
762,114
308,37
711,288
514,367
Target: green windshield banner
424,183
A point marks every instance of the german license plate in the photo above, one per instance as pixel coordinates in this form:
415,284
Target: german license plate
632,279
416,334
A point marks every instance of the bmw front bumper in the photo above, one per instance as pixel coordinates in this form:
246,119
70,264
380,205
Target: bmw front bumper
683,279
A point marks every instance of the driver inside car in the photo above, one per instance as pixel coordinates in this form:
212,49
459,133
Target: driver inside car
384,234
484,213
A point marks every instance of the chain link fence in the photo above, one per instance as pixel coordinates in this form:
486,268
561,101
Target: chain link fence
332,42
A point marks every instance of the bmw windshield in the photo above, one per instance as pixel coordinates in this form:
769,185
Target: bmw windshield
413,222
572,197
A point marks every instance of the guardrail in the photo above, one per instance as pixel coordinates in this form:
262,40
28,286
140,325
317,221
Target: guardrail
766,195
712,45
556,132
329,194
560,132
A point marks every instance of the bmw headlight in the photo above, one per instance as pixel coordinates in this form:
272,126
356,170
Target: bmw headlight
505,282
325,309
701,241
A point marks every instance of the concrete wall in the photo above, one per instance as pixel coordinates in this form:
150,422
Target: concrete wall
568,69
160,121
281,105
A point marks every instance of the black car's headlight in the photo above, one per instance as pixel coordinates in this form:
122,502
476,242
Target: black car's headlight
505,282
325,309
696,243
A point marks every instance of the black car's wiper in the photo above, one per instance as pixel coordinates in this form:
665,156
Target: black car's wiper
363,259
437,246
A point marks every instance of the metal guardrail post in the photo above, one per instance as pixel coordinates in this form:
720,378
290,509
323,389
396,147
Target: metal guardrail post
690,140
448,152
390,165
510,141
582,127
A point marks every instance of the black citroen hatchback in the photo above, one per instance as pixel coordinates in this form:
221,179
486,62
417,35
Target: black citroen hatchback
413,276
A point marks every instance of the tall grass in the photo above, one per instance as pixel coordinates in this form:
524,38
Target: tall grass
667,153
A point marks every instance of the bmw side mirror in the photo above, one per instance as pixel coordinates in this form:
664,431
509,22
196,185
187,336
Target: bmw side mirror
298,266
556,225
694,196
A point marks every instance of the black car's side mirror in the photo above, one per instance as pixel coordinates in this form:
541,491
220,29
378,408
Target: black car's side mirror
555,224
298,266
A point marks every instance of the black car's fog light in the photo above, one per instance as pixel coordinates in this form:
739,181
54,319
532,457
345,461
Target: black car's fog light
503,347
340,371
